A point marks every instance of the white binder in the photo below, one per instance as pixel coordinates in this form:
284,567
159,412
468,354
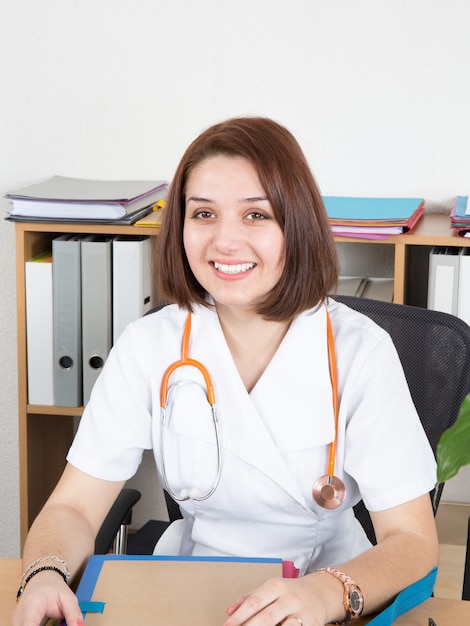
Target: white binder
443,284
39,329
464,285
67,320
132,280
96,272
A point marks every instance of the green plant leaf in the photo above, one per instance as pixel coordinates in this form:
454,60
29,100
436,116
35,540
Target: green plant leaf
453,449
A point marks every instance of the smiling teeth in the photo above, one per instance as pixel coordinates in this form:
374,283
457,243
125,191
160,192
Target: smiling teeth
233,269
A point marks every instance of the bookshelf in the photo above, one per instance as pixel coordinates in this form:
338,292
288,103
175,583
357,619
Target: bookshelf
410,255
45,432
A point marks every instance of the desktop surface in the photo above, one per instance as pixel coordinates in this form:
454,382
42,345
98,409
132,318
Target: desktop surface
10,573
443,611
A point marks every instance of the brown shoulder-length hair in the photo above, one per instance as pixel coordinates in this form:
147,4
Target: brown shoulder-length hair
310,262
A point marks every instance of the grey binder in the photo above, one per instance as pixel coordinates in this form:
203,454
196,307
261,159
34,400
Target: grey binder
96,260
67,320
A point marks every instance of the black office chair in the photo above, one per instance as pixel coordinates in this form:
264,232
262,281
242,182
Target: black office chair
113,534
434,349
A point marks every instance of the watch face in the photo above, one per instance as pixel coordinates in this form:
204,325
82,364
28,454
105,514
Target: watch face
355,601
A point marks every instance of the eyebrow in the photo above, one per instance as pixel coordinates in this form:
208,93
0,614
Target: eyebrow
197,199
253,199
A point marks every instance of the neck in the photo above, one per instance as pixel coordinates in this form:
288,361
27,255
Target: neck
252,340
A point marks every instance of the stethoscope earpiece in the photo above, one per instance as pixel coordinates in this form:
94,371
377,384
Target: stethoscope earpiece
191,494
329,492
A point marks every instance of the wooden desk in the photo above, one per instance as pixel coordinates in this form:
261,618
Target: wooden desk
10,572
444,612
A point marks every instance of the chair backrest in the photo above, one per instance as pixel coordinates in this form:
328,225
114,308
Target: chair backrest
434,349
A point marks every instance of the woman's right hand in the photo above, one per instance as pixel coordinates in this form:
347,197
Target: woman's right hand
47,595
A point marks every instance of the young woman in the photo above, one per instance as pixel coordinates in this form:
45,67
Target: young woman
247,258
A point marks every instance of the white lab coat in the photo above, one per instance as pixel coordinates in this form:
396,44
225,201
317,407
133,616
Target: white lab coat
274,440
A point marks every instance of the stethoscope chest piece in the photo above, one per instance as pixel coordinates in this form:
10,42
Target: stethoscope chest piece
329,492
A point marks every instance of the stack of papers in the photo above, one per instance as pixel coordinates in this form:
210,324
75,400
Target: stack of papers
83,200
460,216
372,218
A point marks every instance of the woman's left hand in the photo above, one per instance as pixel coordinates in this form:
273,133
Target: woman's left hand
291,602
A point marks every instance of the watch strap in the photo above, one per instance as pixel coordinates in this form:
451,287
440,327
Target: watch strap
349,585
411,596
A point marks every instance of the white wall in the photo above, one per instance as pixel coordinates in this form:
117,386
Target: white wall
376,91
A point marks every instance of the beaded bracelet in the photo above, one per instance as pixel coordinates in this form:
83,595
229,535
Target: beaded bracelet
44,568
41,559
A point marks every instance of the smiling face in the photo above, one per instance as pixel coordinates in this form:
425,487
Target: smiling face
232,240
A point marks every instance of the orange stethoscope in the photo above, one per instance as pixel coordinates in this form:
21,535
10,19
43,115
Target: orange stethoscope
329,491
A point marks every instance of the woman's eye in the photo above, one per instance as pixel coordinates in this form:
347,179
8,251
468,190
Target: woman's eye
203,214
255,215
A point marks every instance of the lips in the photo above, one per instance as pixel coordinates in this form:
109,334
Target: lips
237,268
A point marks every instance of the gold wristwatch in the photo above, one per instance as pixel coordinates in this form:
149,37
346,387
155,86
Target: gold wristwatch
353,600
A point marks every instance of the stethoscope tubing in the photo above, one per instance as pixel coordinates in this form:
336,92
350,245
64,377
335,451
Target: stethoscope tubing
334,391
185,360
189,494
164,388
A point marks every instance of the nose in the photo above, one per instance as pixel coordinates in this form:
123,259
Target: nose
227,235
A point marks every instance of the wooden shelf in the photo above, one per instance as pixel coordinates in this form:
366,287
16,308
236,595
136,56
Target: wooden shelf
63,227
45,432
42,409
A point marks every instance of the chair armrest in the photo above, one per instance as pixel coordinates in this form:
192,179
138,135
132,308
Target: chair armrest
119,514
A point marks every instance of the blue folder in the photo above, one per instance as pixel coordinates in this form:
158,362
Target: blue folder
410,597
371,209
